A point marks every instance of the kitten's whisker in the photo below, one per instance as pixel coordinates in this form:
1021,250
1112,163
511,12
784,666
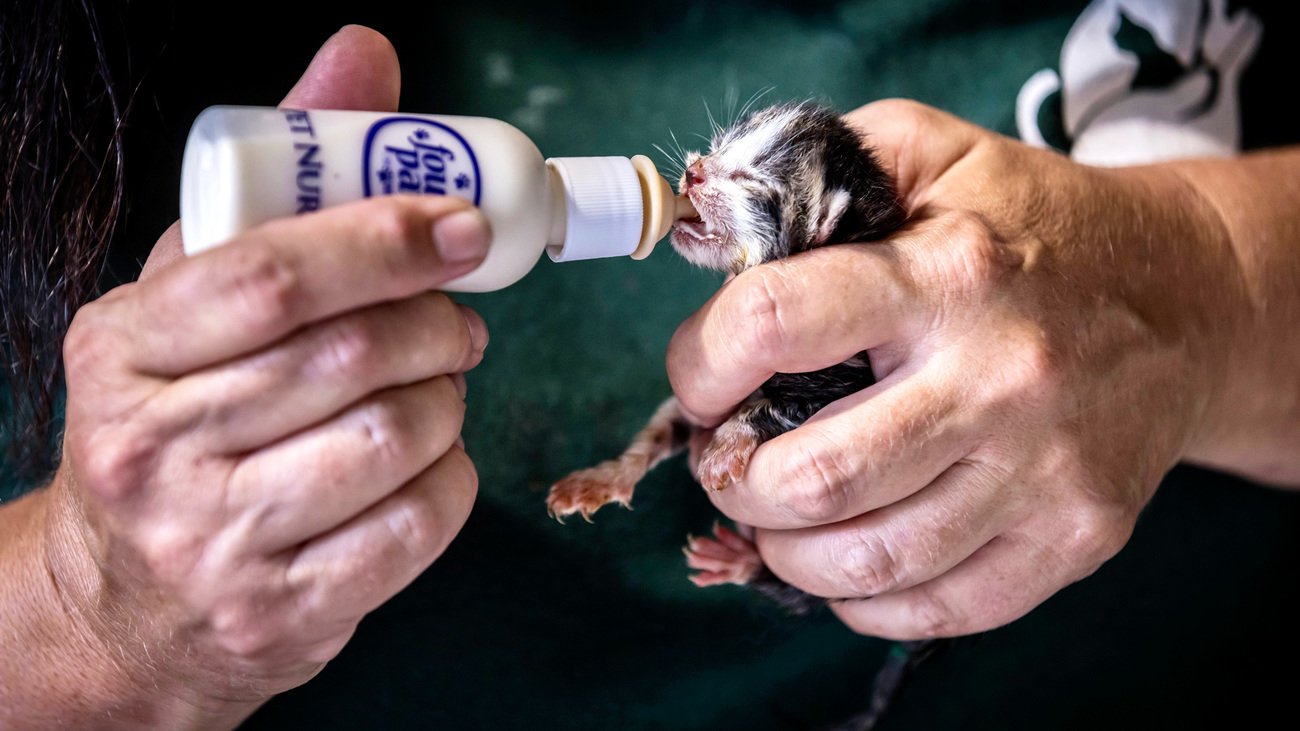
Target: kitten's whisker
678,145
731,98
713,123
672,163
754,99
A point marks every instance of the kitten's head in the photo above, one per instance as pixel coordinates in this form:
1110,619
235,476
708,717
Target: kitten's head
782,180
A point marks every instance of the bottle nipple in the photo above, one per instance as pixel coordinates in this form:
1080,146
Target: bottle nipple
661,206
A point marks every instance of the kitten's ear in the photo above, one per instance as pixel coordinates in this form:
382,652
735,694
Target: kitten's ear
834,204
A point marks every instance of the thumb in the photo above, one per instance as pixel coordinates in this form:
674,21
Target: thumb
356,69
915,143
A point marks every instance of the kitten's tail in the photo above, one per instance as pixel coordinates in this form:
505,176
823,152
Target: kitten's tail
900,663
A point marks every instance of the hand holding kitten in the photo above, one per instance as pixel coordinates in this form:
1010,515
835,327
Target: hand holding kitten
1050,339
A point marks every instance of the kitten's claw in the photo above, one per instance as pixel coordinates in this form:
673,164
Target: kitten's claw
586,491
727,558
724,461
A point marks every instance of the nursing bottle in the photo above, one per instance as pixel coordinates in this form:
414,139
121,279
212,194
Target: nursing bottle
247,165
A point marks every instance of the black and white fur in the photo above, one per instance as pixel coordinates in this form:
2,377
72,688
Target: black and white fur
780,182
784,180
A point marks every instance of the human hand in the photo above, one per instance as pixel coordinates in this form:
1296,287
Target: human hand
262,441
1049,339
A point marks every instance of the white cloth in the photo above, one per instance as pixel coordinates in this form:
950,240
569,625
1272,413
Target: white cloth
1110,121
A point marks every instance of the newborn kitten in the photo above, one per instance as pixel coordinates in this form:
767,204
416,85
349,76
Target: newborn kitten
783,180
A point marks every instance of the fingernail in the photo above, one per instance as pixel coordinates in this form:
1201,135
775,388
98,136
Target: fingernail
478,332
462,236
458,380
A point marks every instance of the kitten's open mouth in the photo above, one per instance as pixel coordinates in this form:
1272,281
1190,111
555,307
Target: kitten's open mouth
696,230
693,230
695,224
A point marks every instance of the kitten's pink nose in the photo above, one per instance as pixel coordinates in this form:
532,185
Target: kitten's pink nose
694,175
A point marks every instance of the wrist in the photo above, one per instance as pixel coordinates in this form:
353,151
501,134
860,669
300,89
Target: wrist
92,659
1251,425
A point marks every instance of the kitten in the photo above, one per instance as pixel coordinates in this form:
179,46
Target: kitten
783,180
780,182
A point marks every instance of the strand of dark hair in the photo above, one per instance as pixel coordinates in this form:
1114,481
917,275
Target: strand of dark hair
61,181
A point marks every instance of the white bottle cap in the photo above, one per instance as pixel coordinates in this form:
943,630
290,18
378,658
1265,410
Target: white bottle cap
603,207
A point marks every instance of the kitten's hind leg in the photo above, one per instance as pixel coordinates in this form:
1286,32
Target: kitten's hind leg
730,558
726,558
724,461
585,491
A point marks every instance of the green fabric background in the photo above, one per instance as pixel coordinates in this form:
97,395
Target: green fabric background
525,623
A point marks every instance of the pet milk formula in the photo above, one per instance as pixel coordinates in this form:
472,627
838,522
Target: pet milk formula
247,165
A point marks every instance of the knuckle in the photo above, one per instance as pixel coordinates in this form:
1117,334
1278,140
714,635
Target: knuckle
1098,533
816,486
393,221
415,528
350,349
757,323
1034,371
973,259
172,551
868,565
115,460
401,232
266,289
242,630
932,617
88,343
386,429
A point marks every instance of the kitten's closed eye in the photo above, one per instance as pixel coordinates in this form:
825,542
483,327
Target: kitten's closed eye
781,181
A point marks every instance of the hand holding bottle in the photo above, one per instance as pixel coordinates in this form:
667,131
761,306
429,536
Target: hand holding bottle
262,446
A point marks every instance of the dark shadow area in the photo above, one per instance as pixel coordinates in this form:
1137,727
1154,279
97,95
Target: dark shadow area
1188,627
509,625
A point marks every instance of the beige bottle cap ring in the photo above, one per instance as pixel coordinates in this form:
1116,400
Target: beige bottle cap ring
661,206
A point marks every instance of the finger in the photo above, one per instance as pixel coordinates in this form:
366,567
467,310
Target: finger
168,251
321,478
356,69
916,143
795,315
861,453
1000,583
896,547
291,272
324,368
359,565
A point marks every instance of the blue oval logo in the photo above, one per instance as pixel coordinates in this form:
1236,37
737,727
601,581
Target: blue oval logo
413,155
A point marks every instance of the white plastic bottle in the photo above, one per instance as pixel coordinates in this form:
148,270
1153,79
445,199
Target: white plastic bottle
247,165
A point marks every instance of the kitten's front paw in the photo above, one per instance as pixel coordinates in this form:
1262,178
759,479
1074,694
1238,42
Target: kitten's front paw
585,491
724,461
727,558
